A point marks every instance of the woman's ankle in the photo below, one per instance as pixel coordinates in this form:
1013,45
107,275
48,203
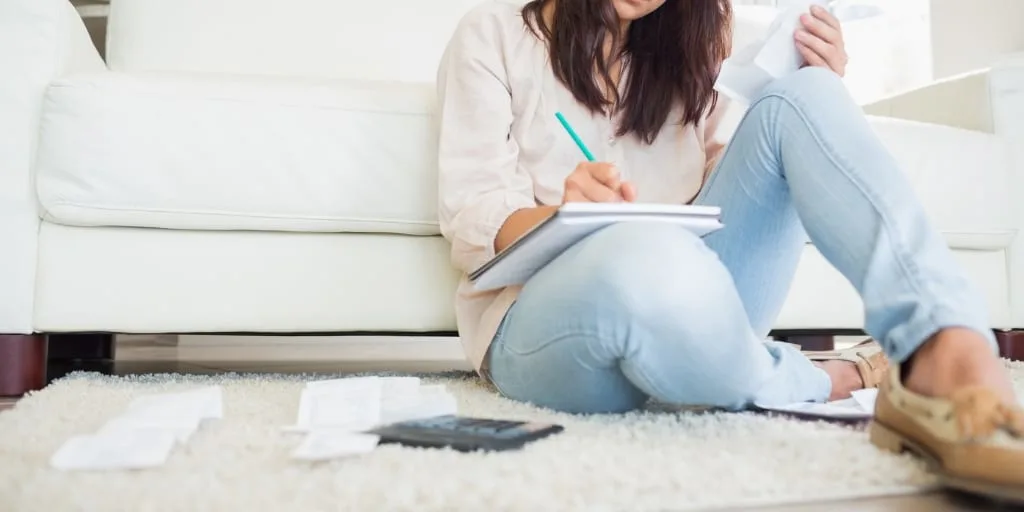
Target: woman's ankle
953,359
844,376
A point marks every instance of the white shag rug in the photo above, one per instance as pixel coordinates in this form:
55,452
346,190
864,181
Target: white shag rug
653,460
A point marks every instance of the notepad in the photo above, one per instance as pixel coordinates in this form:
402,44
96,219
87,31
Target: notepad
572,223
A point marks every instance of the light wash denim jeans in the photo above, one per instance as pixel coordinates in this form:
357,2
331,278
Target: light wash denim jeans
639,311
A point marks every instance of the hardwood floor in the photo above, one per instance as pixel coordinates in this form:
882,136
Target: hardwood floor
7,403
296,354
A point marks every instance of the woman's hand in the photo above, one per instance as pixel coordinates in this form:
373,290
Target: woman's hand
820,41
591,182
594,182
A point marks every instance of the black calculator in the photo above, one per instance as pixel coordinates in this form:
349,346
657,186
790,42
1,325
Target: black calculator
465,434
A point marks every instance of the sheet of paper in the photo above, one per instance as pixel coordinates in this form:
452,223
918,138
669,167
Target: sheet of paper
739,79
746,73
203,403
181,428
865,398
144,434
361,403
342,404
130,449
180,413
430,401
399,388
332,444
346,383
848,409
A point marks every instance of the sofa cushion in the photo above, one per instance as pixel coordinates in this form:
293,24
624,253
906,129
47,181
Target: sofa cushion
197,152
191,152
961,177
158,280
39,39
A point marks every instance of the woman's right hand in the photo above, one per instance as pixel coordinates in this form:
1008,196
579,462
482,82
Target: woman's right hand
591,182
597,182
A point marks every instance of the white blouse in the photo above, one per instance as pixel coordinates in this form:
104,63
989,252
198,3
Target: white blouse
502,149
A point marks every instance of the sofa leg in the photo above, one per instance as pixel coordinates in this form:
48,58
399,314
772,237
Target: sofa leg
22,363
814,342
80,352
1011,344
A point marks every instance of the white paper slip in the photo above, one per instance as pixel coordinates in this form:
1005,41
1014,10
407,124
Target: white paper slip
201,404
746,73
430,401
849,409
130,449
390,387
349,383
750,69
344,404
182,428
322,445
865,398
399,391
572,223
396,388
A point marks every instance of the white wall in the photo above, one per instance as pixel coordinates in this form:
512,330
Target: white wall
972,34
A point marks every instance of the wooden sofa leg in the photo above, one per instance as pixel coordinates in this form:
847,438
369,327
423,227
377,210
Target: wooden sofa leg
1011,344
22,363
80,352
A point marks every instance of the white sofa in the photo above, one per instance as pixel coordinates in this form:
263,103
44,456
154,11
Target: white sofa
267,167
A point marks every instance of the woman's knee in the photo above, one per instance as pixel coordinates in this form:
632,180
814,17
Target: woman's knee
650,299
810,85
644,269
656,276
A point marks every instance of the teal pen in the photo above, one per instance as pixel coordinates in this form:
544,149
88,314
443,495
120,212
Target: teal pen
575,138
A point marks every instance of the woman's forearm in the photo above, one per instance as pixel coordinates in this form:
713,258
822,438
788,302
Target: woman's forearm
517,224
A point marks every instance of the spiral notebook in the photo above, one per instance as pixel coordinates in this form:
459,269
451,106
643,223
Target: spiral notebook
574,222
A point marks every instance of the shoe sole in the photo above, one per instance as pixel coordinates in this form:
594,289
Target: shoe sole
890,440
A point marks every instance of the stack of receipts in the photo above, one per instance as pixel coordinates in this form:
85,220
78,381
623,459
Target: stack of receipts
334,413
144,435
857,408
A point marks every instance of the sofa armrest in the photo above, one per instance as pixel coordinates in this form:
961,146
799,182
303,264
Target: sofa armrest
1006,88
39,41
989,101
965,103
985,100
1006,93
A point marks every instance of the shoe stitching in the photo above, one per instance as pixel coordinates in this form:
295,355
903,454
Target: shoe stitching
980,414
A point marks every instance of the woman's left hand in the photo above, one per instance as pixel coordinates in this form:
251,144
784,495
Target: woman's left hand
820,41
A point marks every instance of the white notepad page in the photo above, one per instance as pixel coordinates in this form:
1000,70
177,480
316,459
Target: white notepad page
574,222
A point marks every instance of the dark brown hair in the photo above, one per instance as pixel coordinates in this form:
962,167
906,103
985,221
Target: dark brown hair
674,56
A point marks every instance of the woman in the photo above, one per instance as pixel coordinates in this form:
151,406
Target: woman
640,311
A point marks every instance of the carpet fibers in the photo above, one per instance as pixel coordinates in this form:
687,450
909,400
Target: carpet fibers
652,460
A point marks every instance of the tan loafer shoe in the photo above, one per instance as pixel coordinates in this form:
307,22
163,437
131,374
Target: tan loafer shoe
868,356
973,441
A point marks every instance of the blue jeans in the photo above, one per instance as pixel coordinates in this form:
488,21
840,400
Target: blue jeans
639,311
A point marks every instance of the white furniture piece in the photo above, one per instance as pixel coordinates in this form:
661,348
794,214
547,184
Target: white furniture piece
265,167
